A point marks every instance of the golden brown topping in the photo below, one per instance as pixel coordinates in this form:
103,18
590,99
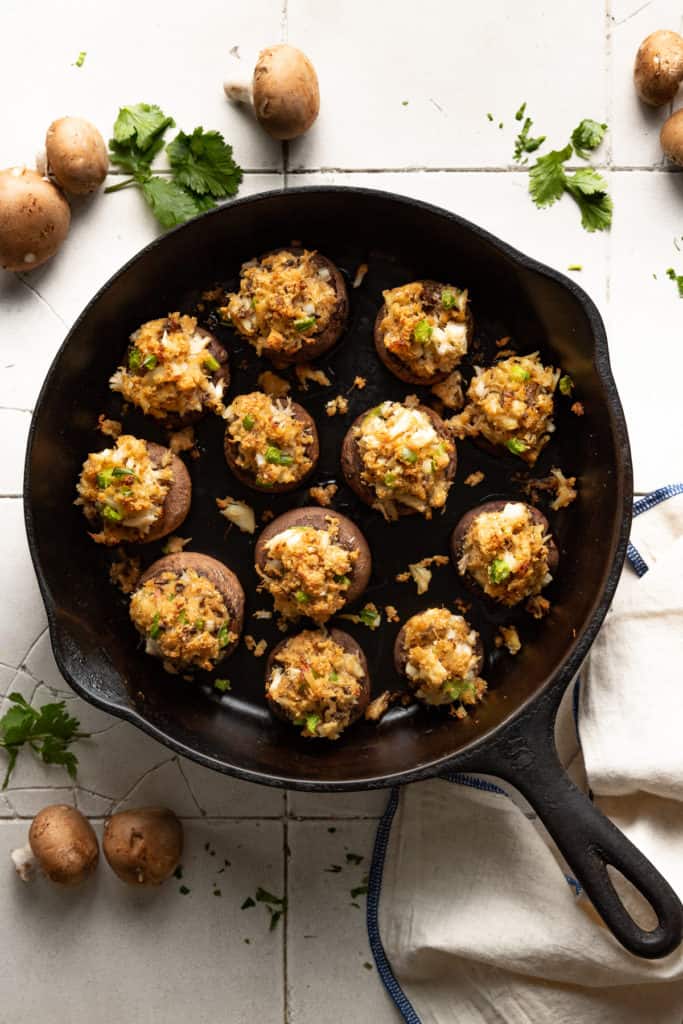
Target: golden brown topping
184,619
316,683
110,428
272,384
405,460
181,440
578,409
425,326
420,572
449,391
337,406
175,544
307,572
238,513
257,647
168,369
474,479
391,613
508,637
122,491
378,707
125,571
359,382
305,372
511,405
442,658
270,442
538,606
285,301
506,552
323,494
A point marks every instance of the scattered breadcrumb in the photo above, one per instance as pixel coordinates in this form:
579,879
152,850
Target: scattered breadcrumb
421,573
369,616
272,384
337,406
360,274
257,648
125,571
305,373
110,428
462,606
391,613
359,382
378,707
538,606
411,401
217,294
578,409
508,637
563,487
457,712
238,513
323,494
267,515
502,342
175,544
450,391
474,478
181,440
262,613
282,623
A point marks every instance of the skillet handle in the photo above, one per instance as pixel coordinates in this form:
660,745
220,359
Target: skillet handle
524,754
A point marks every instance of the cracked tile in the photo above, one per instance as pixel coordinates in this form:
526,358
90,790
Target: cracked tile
224,797
7,676
163,786
366,804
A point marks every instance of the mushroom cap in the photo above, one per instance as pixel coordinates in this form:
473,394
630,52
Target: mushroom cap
76,155
285,91
143,846
64,844
671,137
658,68
34,219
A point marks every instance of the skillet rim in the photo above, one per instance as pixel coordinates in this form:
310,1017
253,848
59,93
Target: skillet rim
578,649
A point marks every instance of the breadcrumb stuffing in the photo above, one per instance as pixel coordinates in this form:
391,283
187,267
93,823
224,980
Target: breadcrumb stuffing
175,544
337,406
125,571
181,440
378,707
110,428
257,648
273,384
391,613
508,637
474,478
578,409
538,606
323,494
305,373
359,382
450,391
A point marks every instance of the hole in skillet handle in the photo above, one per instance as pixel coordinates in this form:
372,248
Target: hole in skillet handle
523,753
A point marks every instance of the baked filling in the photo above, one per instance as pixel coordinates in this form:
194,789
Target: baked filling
404,459
506,552
511,405
285,301
316,683
169,369
269,442
307,571
425,327
184,619
122,490
441,658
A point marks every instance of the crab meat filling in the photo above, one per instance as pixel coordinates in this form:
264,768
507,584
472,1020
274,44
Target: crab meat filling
316,684
425,327
184,620
404,459
307,571
269,441
442,661
169,369
285,301
506,552
122,491
511,405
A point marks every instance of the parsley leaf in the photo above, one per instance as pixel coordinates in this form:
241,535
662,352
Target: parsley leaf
547,179
171,203
141,125
589,190
678,278
48,731
587,136
203,162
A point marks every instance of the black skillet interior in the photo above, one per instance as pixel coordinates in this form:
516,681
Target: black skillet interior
400,240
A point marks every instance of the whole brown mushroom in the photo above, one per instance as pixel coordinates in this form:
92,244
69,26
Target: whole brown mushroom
76,155
63,843
34,219
671,137
283,91
658,69
143,846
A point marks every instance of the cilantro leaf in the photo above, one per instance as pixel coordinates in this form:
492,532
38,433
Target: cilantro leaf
678,278
203,162
48,731
547,178
587,136
133,160
589,189
141,124
172,204
524,143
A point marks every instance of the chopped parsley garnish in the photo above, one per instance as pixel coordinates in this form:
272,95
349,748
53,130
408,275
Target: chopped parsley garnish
248,422
275,905
589,190
520,113
343,581
489,117
369,616
333,869
407,455
389,479
499,570
211,363
455,689
183,890
516,446
80,60
48,731
422,332
301,597
518,372
587,136
678,278
223,685
524,143
304,323
199,625
112,514
224,635
248,903
566,385
155,628
449,300
360,890
547,178
134,359
367,966
333,676
149,362
277,457
354,858
312,722
178,873
182,618
575,266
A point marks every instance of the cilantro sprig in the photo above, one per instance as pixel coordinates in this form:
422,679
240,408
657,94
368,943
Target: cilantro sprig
47,730
202,164
524,143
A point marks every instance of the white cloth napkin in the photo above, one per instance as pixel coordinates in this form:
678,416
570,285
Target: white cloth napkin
477,915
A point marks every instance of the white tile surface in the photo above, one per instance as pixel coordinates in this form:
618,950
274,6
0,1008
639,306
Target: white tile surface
13,424
338,805
20,629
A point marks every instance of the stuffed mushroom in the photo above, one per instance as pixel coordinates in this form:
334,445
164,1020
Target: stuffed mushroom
504,550
313,562
135,492
189,608
422,331
174,371
442,657
318,681
400,458
270,443
510,406
292,305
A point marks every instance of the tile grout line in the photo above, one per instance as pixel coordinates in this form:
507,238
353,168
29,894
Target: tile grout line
459,169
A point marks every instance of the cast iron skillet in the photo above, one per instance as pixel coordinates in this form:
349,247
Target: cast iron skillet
511,735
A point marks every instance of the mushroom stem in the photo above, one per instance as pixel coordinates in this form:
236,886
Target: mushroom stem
238,85
239,91
24,862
